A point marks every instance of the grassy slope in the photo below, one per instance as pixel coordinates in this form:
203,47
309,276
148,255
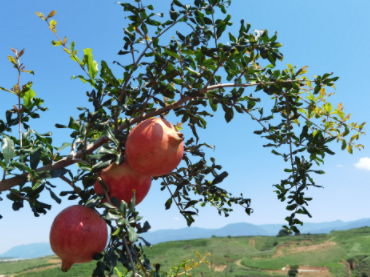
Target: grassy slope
353,244
22,265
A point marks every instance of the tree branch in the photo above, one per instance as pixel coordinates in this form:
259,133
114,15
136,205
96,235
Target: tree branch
71,159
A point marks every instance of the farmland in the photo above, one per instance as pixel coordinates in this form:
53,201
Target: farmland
340,253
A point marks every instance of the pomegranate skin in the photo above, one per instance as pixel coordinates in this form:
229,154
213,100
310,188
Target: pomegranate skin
154,147
122,180
77,233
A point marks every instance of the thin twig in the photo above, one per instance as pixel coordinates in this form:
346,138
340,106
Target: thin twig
18,195
19,101
65,179
72,55
174,199
140,263
87,132
129,255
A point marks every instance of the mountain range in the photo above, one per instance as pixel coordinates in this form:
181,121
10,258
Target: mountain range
35,250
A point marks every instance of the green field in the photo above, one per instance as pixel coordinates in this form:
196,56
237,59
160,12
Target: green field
22,265
239,256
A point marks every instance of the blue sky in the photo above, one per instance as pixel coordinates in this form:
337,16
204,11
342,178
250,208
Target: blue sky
328,36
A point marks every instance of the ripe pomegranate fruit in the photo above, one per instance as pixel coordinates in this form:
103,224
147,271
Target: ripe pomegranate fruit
77,234
154,147
122,180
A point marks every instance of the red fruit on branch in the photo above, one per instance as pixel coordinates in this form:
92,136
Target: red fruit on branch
122,180
77,234
154,147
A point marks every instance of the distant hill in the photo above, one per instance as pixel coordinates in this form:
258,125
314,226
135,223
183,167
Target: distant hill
235,230
33,250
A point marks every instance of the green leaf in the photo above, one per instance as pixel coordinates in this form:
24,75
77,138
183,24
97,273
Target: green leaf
28,96
109,206
123,206
132,235
64,145
346,130
92,65
52,195
22,166
220,178
117,232
122,222
168,203
171,53
72,124
100,165
110,135
131,205
111,216
35,158
60,126
7,146
232,38
94,201
229,113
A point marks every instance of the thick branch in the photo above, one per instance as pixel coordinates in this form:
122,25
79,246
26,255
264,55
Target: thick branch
71,159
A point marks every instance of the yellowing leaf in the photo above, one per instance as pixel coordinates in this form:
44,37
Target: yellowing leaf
51,14
302,72
40,15
290,66
308,82
340,106
12,60
349,148
52,25
322,92
347,117
65,49
196,252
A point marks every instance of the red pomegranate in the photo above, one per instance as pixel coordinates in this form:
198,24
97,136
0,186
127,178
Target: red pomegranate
77,234
122,180
154,147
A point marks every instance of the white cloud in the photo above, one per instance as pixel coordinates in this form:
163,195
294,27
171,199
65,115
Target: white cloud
176,218
339,165
364,164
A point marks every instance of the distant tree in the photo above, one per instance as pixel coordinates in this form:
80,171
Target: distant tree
293,271
283,233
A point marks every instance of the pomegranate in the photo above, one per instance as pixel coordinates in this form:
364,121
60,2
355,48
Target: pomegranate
77,234
154,147
122,180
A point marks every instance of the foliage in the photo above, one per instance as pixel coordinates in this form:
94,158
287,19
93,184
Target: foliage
187,75
293,271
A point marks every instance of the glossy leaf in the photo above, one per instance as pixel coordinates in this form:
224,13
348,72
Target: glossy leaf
92,65
7,147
